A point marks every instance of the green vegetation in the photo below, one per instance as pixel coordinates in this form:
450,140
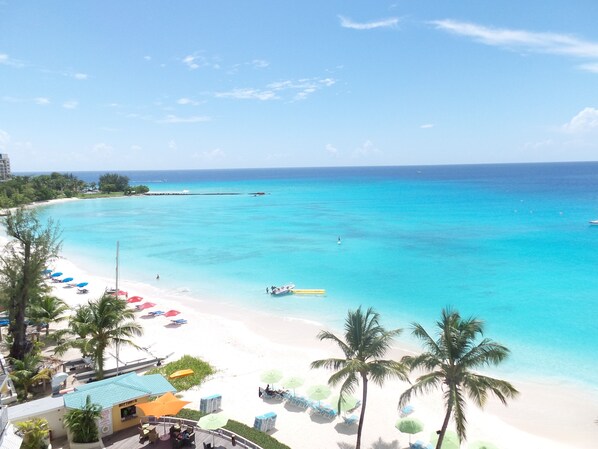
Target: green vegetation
262,439
28,372
113,182
22,262
201,370
450,362
21,190
35,433
82,423
365,343
100,324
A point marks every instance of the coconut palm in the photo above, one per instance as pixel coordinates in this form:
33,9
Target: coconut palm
29,372
449,362
82,423
100,324
365,343
47,309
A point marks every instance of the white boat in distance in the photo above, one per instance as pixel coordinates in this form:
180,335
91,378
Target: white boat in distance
282,290
594,222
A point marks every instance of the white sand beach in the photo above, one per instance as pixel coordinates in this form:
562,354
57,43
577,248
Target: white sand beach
242,343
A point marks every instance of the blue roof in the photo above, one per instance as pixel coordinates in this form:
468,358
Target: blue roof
116,390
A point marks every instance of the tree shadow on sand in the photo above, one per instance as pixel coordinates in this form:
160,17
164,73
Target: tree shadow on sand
346,429
377,445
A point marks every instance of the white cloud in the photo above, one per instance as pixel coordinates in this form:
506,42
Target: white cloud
331,149
80,76
43,101
366,150
538,145
383,23
259,63
176,119
427,126
136,147
71,104
195,61
593,67
172,145
6,60
102,149
185,101
4,140
247,94
147,58
552,43
585,120
216,153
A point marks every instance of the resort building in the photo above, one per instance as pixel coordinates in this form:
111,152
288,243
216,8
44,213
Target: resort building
8,438
4,167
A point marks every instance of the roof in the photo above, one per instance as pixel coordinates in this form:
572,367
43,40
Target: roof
34,408
116,390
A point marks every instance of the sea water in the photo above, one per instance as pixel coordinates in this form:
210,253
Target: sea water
510,244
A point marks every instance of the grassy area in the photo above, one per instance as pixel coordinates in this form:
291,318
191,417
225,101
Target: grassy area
201,370
100,195
261,438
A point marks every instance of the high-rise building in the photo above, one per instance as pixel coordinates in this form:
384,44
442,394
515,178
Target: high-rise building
4,167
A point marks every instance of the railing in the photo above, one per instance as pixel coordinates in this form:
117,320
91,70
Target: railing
3,418
221,433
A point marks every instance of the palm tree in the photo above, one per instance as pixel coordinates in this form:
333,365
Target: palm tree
29,372
450,361
365,343
47,309
100,324
35,433
82,423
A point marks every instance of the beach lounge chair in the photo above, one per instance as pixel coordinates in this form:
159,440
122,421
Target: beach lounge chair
156,313
350,420
407,410
179,321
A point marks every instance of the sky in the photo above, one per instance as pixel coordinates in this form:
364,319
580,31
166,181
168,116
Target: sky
163,84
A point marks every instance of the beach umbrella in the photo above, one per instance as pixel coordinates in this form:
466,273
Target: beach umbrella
450,441
213,421
46,271
318,392
82,284
67,279
410,426
292,382
348,402
482,445
145,305
271,376
172,313
134,299
55,275
167,404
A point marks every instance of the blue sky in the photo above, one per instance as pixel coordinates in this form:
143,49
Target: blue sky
114,84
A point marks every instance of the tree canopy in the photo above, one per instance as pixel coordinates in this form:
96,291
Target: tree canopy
113,182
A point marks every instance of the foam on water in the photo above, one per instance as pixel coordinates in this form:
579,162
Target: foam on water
509,243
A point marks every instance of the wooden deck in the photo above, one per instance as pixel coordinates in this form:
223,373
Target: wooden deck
129,439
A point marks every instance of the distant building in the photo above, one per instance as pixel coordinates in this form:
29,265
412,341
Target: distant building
4,167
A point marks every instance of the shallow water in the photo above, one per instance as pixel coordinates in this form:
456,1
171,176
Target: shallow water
510,244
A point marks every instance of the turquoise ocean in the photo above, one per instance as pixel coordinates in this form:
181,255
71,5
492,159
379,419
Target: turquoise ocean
510,244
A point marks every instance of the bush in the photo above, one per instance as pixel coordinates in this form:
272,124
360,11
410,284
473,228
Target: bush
262,439
201,370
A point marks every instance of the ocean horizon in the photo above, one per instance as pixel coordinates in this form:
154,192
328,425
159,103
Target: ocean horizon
508,243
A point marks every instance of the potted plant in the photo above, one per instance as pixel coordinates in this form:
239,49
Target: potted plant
35,433
82,425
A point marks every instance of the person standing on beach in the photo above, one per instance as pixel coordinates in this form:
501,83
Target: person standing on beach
157,277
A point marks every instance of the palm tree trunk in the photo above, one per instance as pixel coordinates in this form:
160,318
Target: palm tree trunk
447,418
364,397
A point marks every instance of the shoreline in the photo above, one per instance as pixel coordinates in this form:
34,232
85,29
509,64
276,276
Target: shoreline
241,343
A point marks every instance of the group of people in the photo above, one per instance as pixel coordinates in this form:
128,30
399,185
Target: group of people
181,438
270,392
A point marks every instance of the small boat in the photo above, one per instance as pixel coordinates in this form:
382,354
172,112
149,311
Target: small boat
282,290
594,222
181,373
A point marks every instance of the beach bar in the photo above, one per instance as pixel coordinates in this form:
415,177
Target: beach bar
118,397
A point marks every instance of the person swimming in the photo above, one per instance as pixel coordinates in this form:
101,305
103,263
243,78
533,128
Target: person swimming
338,241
